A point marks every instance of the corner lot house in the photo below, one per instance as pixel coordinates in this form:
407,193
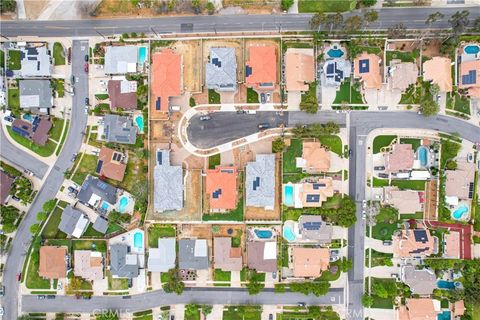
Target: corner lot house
119,129
260,182
121,59
88,264
122,94
225,256
399,158
73,222
221,188
299,69
439,71
416,309
416,243
406,201
36,95
310,262
193,254
367,69
110,164
166,79
261,68
262,255
168,184
162,259
6,183
35,60
97,194
35,131
53,264
421,282
315,158
221,69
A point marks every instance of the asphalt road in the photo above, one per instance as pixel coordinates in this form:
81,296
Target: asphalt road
20,158
152,299
413,18
54,180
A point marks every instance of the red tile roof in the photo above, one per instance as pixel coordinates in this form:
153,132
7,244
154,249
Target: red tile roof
111,167
222,188
263,61
166,78
5,184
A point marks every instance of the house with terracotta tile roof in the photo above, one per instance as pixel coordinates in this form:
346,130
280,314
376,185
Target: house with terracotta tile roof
166,79
111,164
261,67
399,158
451,243
419,309
438,70
458,309
310,262
405,201
221,188
469,77
6,183
122,94
310,193
226,257
88,264
459,182
315,158
366,67
53,263
414,243
299,69
402,74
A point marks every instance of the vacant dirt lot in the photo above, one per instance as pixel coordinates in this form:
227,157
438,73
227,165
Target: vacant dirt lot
192,67
33,8
201,231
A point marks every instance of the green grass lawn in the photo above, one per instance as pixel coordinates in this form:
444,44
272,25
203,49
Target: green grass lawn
414,142
233,215
293,151
101,96
213,97
334,143
57,128
14,101
214,161
461,104
116,283
34,281
14,60
343,95
59,87
242,313
159,231
95,245
326,5
383,231
62,140
50,231
378,258
87,166
403,56
252,96
382,141
368,49
58,54
44,151
220,275
409,184
380,182
2,58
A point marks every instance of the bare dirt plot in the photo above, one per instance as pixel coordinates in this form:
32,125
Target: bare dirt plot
33,8
253,213
201,231
226,43
161,131
255,6
192,66
431,48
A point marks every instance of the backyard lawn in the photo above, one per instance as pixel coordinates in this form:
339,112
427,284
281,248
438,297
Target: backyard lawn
96,245
43,151
293,151
159,231
414,142
252,96
334,143
232,215
86,166
410,184
213,97
58,54
326,5
50,231
403,56
214,161
382,141
220,275
14,60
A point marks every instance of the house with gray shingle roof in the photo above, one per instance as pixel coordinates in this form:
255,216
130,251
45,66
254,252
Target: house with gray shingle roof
168,184
119,129
35,61
123,264
95,191
35,95
221,69
100,225
421,282
121,59
260,182
193,254
73,222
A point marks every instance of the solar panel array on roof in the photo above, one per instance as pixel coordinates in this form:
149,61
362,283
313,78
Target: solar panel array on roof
364,66
470,191
256,183
116,156
330,68
248,71
470,78
227,170
99,166
157,104
159,157
102,185
20,131
313,197
420,235
217,193
217,62
317,186
312,225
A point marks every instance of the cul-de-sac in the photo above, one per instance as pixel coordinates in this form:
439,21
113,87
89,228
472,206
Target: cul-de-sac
239,159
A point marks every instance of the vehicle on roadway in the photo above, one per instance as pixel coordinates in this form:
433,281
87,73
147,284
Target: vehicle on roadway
74,156
2,311
30,173
2,291
205,118
86,58
85,67
87,101
263,126
301,304
263,98
19,276
41,297
379,168
350,152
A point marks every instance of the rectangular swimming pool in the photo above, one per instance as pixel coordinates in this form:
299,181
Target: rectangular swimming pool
288,192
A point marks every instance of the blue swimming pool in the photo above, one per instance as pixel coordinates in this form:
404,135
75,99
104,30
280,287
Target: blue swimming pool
288,234
445,315
460,212
142,55
27,117
288,191
444,284
105,205
423,156
138,240
139,123
472,49
335,53
122,204
263,233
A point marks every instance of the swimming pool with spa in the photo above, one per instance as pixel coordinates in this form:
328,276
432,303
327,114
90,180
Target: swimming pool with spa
472,49
335,52
460,212
263,233
142,55
122,204
105,206
139,123
444,284
288,192
138,240
288,234
445,315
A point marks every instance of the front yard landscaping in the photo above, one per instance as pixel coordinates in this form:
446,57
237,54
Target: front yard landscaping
348,94
334,143
383,230
59,87
378,258
326,6
58,54
50,231
116,283
44,151
14,101
57,128
87,166
220,275
293,151
213,97
252,96
33,279
214,161
14,59
242,313
382,141
160,231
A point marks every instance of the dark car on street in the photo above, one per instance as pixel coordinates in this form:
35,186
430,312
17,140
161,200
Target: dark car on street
87,101
85,67
86,58
263,126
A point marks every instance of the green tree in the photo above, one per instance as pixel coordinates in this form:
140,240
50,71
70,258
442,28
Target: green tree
459,21
367,301
451,165
334,20
171,5
49,205
133,35
318,288
41,216
206,309
345,264
197,6
370,16
8,6
125,35
278,145
254,286
108,315
286,4
434,17
317,20
397,31
367,3
174,283
353,23
34,228
191,311
428,107
384,289
210,8
476,25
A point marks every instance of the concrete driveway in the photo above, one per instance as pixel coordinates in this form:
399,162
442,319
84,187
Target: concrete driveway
377,245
